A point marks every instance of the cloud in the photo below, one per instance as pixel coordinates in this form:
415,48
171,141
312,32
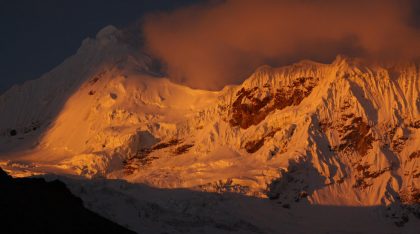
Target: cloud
211,45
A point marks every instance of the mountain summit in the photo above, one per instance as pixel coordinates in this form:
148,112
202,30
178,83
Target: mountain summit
339,134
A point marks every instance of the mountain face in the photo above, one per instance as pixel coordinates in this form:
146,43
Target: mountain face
339,134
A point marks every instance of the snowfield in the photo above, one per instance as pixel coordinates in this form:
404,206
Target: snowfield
306,148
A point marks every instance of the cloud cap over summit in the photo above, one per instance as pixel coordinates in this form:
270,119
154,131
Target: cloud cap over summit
221,42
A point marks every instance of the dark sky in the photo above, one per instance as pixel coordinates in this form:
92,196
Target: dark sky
37,35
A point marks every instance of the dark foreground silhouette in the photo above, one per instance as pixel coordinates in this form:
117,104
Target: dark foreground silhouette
32,205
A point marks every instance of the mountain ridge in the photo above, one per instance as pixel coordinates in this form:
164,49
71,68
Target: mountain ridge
345,133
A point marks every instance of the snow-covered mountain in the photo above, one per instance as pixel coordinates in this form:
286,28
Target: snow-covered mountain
339,134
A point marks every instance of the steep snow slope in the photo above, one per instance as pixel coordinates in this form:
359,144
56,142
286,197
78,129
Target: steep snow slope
96,101
31,107
152,210
341,134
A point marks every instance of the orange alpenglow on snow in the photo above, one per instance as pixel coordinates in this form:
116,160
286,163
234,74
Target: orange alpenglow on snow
193,144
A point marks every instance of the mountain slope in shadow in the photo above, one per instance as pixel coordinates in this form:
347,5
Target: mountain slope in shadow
32,205
147,209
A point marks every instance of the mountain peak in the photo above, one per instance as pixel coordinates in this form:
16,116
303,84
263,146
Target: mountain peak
107,31
332,134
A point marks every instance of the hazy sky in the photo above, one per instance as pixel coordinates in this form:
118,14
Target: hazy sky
211,44
37,35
